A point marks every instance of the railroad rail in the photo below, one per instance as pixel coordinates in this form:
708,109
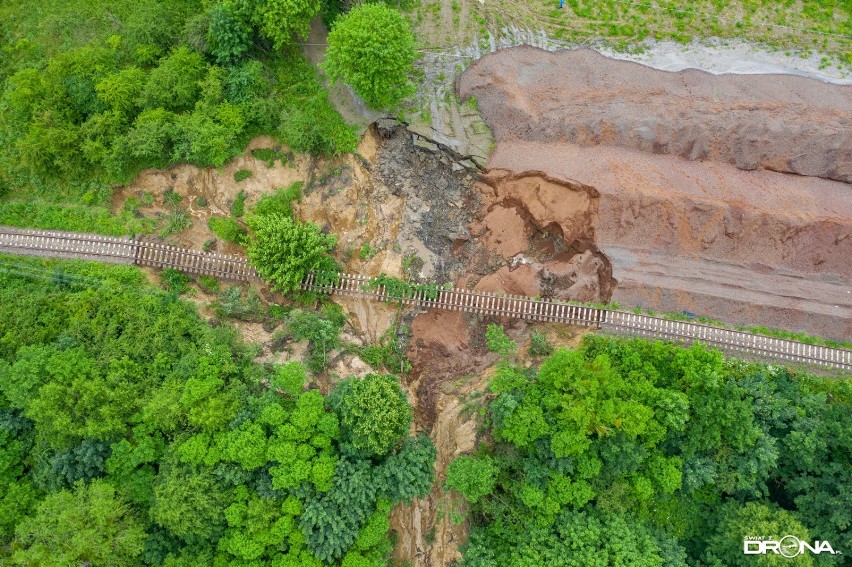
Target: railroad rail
140,252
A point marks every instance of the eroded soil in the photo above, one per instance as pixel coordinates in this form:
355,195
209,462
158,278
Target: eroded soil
725,196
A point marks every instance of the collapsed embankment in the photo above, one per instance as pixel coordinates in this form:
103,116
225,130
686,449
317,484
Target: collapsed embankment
691,212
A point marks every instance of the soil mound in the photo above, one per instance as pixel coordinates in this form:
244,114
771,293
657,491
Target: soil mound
781,123
690,208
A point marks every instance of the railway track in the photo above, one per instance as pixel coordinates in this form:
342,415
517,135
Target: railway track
230,267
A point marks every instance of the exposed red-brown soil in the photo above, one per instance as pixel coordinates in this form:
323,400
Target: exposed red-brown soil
686,209
784,123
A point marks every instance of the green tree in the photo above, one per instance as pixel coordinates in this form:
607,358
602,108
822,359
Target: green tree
474,477
91,525
176,81
190,504
229,35
281,20
374,414
284,251
737,521
120,91
372,49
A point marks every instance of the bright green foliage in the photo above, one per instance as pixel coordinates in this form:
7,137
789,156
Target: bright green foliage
176,81
279,202
94,92
121,91
227,228
539,345
229,36
257,527
372,49
284,251
498,342
725,546
576,539
289,378
680,442
474,477
374,414
171,435
189,504
90,525
283,20
321,329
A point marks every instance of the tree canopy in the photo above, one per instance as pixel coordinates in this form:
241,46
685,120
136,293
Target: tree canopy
284,251
132,433
371,48
676,453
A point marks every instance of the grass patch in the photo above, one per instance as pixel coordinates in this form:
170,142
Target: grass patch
228,229
241,175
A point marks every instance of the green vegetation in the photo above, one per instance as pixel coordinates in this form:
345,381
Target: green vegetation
228,229
647,453
238,207
374,414
132,433
241,175
280,202
269,155
285,251
93,92
372,49
397,289
801,27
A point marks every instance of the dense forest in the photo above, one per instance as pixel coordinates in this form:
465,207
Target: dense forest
632,452
95,91
133,433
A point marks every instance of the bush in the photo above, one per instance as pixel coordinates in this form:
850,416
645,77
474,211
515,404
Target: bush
239,205
285,251
279,203
372,49
539,345
228,35
473,477
241,175
175,281
498,342
227,229
374,414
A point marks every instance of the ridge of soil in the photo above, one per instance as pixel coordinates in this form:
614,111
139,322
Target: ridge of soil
782,123
693,211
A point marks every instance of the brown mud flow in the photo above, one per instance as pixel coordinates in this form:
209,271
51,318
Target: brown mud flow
725,196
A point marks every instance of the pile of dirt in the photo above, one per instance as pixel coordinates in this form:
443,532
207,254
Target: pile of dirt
782,123
663,157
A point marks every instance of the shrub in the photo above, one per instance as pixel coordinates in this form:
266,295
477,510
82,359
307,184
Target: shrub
498,342
284,251
374,414
228,229
280,201
208,284
228,35
239,205
241,175
473,477
175,281
372,49
539,345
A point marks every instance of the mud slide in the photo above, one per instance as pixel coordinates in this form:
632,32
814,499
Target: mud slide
726,196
